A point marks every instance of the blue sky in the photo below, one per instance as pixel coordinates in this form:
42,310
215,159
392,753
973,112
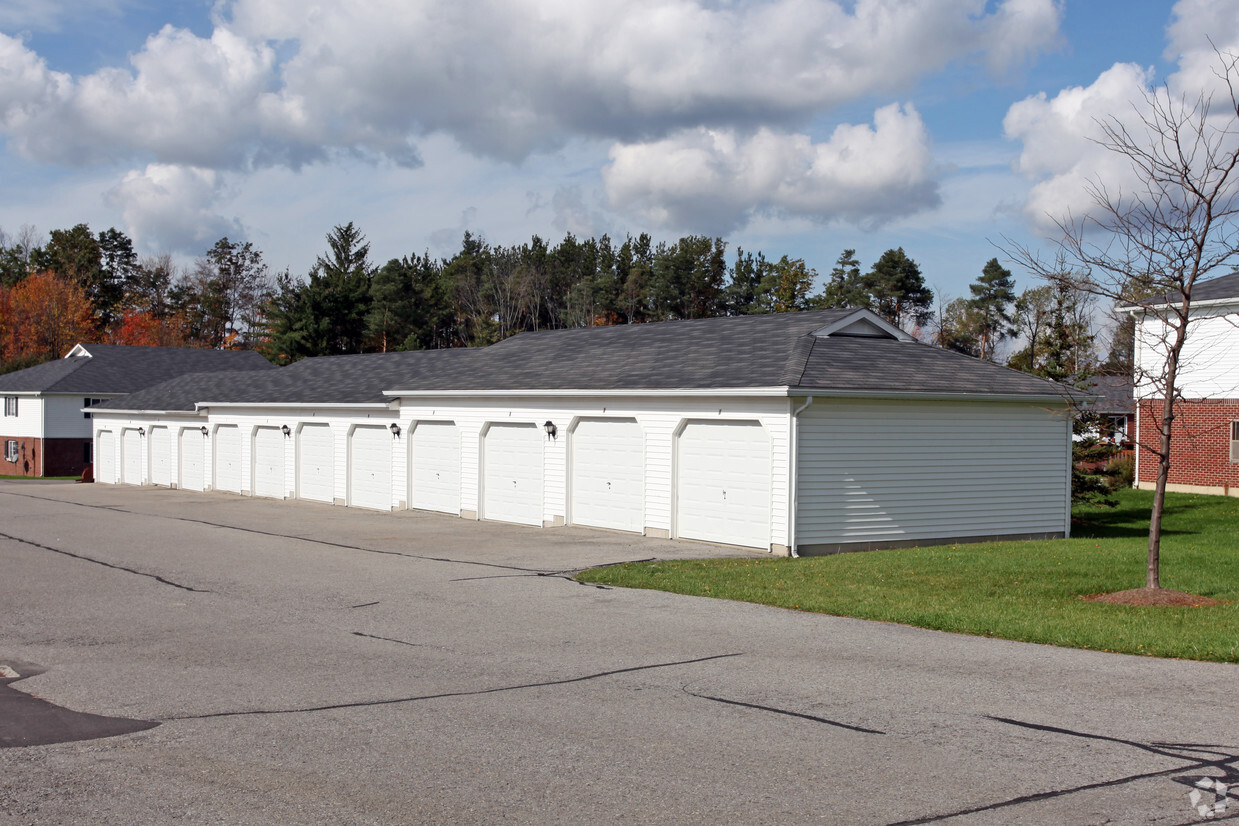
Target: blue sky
790,126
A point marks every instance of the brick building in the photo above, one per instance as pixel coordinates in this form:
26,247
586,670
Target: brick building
1205,446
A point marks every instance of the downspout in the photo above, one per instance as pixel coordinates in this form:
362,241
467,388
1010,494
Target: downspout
795,488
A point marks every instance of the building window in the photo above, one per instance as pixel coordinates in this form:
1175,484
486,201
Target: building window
1234,442
10,450
90,403
10,405
88,452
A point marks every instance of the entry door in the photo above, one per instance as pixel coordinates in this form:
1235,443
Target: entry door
192,445
131,456
723,483
228,458
159,446
269,462
105,458
512,479
369,472
435,467
316,466
608,474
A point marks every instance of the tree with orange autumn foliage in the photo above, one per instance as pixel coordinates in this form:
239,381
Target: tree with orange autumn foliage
46,315
148,329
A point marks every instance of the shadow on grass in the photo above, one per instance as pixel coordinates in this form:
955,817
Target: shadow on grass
1127,521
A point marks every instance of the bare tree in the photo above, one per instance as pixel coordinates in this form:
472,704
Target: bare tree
1178,227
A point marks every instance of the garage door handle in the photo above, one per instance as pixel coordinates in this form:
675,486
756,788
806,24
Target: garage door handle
724,494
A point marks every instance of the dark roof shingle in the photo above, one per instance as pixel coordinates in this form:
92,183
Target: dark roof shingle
114,368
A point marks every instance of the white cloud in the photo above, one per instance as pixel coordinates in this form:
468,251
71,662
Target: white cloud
714,181
1060,134
49,15
176,205
504,77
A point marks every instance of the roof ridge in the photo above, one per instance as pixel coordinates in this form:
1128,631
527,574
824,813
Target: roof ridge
798,361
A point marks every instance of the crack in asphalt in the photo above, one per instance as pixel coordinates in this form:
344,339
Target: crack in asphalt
398,642
1224,760
784,712
451,694
155,577
328,543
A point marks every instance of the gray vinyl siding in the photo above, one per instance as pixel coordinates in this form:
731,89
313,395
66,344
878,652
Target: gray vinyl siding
888,473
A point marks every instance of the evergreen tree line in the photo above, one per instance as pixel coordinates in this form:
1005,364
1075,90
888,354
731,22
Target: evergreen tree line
228,298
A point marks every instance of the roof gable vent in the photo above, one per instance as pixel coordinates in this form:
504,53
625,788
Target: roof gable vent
863,324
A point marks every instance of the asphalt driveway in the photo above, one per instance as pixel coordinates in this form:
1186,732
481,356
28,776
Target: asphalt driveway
280,662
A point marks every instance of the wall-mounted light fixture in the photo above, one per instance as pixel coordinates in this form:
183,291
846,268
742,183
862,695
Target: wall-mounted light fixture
395,430
286,430
551,430
141,431
204,430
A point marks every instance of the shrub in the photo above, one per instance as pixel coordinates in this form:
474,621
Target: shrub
1122,473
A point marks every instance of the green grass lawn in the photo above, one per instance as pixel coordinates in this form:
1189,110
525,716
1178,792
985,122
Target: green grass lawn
1013,590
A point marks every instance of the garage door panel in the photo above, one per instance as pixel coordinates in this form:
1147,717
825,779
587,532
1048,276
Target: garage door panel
131,457
512,476
723,483
227,458
105,458
316,471
608,474
160,449
435,467
268,460
370,455
192,454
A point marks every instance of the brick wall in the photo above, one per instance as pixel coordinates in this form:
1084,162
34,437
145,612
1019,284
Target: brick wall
44,457
29,456
1200,444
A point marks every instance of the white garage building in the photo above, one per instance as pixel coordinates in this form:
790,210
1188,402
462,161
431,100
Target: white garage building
816,431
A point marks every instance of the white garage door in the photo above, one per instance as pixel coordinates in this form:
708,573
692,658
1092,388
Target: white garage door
228,458
723,483
316,465
159,446
608,474
269,462
105,458
435,471
369,467
512,480
131,456
192,455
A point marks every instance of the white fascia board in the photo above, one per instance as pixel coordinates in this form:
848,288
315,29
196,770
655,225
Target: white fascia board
123,412
1212,302
31,393
78,350
864,315
713,392
766,392
299,405
923,396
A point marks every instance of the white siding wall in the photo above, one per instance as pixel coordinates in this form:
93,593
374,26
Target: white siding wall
120,421
339,420
658,417
63,417
28,423
901,471
1209,364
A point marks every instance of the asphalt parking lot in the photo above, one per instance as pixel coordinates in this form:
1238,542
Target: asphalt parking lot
280,662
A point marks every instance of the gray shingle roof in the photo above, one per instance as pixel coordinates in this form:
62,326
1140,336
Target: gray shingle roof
758,351
113,368
357,379
1214,289
1115,394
